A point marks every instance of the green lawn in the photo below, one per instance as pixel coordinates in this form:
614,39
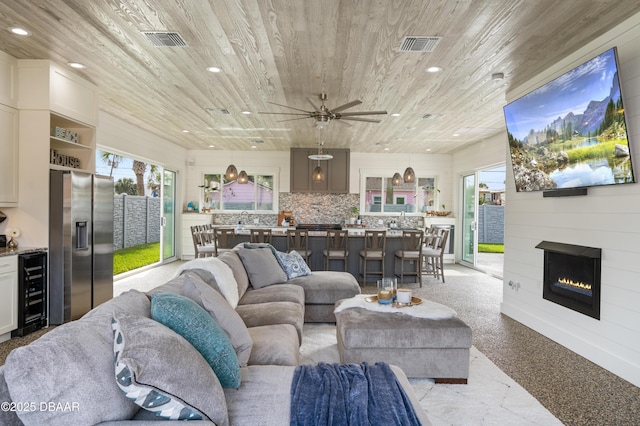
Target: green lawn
490,248
135,257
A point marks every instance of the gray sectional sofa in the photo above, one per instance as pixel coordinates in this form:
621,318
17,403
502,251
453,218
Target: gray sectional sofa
234,319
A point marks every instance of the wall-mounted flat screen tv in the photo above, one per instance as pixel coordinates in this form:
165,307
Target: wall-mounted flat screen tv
571,132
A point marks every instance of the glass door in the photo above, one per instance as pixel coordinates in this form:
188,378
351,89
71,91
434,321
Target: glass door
168,228
469,219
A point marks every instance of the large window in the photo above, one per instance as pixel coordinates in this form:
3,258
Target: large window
225,195
382,196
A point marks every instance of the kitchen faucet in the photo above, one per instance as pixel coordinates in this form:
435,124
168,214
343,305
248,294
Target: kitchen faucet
244,212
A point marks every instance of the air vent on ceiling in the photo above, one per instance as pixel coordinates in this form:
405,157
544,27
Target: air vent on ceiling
218,111
419,43
165,38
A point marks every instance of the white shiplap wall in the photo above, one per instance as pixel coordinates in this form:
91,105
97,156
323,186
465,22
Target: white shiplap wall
608,218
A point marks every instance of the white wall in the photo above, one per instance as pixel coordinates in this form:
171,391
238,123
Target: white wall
608,218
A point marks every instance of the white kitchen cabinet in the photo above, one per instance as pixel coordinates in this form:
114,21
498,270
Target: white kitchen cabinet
8,295
8,156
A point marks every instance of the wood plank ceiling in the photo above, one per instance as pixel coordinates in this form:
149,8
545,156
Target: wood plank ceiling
284,51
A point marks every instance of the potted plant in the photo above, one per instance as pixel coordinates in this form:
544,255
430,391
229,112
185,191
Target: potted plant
355,211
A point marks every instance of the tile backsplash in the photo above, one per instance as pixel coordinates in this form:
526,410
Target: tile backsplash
317,208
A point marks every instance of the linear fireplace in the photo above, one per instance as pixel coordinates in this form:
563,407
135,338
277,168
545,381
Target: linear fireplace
572,276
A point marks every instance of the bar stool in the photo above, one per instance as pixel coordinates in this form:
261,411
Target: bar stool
224,239
298,240
374,246
411,251
434,257
336,248
261,236
202,245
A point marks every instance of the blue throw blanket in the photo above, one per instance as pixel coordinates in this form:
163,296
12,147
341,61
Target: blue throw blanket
349,394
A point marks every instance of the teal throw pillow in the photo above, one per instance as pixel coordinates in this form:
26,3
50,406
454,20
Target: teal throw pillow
191,321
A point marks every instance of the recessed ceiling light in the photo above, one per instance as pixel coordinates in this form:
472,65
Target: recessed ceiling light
185,131
497,76
386,148
434,69
76,65
212,146
428,149
456,134
246,112
213,69
19,31
395,114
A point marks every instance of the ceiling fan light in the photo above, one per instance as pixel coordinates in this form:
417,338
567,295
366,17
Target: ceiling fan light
396,179
231,173
409,175
318,174
243,178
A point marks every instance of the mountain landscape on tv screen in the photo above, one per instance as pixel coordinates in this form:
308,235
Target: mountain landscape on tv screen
571,132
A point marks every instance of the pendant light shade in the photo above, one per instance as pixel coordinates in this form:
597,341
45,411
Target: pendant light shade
409,175
243,178
396,179
318,174
231,173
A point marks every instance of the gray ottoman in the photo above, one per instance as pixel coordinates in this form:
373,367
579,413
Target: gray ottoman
428,348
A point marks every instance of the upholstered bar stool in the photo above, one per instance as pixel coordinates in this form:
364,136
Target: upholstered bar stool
336,248
202,246
434,256
261,236
374,246
411,252
225,240
298,240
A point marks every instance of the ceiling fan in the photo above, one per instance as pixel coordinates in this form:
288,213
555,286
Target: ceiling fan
323,115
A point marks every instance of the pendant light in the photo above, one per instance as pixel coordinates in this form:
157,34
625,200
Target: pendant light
318,174
409,175
396,179
243,178
231,173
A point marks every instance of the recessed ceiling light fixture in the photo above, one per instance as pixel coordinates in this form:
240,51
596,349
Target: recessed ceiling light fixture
395,114
76,65
213,69
246,112
497,76
434,69
19,31
185,131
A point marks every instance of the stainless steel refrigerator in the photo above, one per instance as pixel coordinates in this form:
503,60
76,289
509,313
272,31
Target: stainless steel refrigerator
80,243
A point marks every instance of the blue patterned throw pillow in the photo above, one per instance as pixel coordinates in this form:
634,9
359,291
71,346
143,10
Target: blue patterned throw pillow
293,264
191,321
156,368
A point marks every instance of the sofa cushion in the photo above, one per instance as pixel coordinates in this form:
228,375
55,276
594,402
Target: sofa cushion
188,319
262,267
71,364
274,293
131,301
223,313
223,274
293,264
157,369
240,274
273,313
327,287
275,344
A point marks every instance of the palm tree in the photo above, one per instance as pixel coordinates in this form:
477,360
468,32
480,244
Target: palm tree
138,169
111,160
153,180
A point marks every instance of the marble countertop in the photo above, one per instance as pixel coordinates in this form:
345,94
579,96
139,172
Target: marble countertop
4,251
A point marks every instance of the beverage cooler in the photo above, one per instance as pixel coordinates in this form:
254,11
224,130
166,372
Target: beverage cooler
32,293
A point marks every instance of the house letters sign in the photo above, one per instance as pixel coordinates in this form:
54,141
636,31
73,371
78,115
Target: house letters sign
64,160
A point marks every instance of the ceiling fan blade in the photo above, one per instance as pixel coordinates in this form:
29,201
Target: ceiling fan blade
346,106
368,120
342,123
286,106
291,119
286,113
349,114
313,104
